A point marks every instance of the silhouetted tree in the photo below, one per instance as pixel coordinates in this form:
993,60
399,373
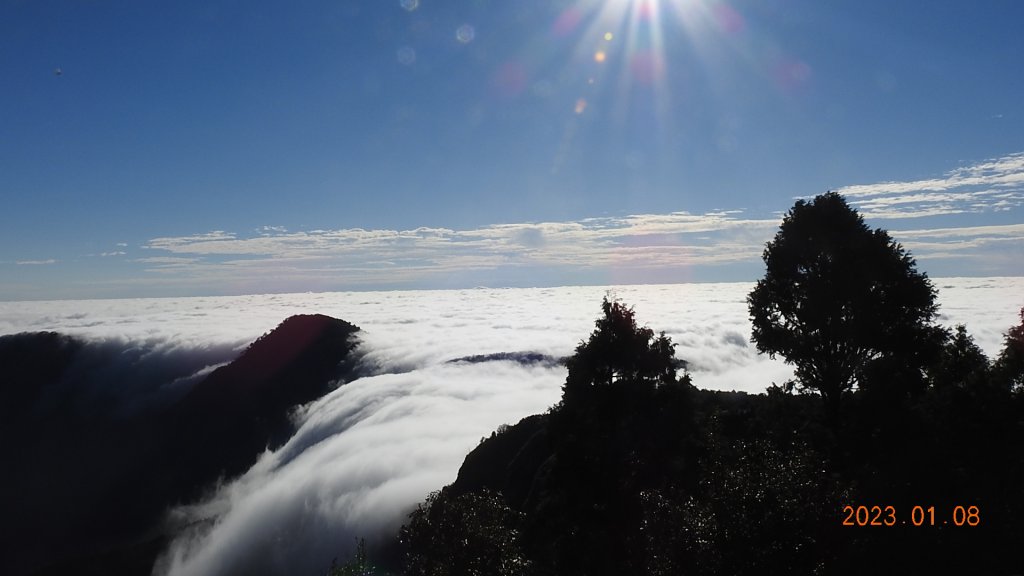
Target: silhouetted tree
620,430
633,475
837,297
962,364
1009,367
618,349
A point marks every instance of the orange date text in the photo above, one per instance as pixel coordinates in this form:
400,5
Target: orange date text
915,516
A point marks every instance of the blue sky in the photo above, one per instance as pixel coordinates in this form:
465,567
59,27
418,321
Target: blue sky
154,148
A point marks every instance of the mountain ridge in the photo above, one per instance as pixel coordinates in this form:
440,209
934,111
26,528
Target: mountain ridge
109,475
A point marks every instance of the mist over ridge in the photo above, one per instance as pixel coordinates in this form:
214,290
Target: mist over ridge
441,370
455,323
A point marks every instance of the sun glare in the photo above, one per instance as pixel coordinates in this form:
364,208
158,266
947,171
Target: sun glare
634,65
629,45
625,38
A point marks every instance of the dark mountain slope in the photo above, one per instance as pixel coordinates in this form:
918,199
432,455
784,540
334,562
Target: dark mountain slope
508,461
31,363
99,451
290,365
241,409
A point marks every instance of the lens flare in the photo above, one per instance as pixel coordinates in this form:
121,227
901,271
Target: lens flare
406,55
510,80
636,64
567,21
465,34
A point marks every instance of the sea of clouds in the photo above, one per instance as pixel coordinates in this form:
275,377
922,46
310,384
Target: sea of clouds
366,453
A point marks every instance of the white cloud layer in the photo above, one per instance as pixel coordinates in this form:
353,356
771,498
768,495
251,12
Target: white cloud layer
646,247
995,185
366,453
393,257
650,248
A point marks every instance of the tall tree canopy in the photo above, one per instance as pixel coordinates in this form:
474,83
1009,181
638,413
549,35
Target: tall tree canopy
1009,366
620,350
838,296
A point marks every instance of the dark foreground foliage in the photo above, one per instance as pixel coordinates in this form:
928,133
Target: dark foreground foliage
644,474
902,453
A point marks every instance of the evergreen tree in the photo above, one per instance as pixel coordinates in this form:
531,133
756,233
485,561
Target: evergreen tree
838,297
1009,367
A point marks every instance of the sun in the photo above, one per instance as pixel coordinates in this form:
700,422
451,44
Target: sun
625,42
